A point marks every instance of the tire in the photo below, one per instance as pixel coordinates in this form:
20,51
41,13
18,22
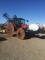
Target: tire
20,34
10,29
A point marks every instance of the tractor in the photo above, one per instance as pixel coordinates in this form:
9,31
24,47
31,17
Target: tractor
16,26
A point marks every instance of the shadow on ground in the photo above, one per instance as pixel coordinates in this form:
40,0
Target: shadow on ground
14,35
41,37
35,36
2,39
32,36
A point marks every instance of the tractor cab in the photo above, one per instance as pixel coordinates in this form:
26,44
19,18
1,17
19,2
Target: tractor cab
18,22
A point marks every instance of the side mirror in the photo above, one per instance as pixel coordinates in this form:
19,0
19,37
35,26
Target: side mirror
27,21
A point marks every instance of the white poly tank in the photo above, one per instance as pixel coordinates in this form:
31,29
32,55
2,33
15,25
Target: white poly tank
44,26
33,27
41,27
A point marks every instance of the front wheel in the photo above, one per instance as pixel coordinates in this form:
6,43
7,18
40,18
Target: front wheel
20,33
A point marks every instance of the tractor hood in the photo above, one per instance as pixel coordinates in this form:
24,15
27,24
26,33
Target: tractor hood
24,26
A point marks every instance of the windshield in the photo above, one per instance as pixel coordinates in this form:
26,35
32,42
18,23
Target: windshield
15,21
19,21
22,21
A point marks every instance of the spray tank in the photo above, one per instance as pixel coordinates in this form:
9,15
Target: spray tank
36,27
33,27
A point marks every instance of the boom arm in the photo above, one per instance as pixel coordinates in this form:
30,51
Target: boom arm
7,17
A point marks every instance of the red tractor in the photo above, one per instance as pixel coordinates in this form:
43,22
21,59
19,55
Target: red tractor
16,26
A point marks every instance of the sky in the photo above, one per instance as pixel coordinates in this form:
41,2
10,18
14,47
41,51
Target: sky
32,10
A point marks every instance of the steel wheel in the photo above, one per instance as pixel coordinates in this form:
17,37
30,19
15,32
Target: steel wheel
10,29
20,34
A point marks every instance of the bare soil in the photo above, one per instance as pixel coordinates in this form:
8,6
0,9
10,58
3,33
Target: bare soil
12,48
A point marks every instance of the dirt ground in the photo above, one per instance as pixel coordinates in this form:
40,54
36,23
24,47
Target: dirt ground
11,48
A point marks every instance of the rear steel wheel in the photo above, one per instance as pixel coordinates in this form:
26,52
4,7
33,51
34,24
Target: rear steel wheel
20,34
10,29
